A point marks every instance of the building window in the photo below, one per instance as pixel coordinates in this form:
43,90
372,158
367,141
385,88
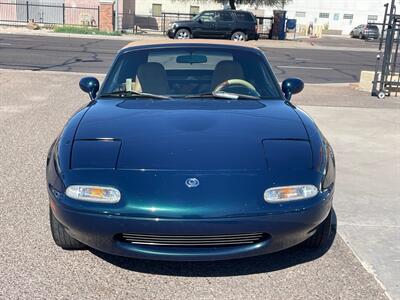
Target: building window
348,18
156,10
324,15
300,14
194,10
372,18
336,17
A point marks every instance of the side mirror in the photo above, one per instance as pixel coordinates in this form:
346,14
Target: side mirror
292,86
89,85
200,20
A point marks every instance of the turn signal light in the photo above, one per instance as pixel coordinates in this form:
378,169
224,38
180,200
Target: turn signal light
290,193
93,193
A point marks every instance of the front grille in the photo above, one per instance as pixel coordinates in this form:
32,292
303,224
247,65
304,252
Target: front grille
192,240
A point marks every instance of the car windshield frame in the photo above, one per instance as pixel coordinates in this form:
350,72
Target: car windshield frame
196,17
276,93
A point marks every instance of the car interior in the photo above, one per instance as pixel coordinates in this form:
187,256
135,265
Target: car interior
148,73
182,73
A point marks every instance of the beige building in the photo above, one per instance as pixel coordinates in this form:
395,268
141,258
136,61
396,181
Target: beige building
154,7
339,15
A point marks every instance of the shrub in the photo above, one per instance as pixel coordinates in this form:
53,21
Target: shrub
82,30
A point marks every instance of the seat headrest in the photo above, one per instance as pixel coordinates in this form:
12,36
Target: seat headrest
152,78
225,70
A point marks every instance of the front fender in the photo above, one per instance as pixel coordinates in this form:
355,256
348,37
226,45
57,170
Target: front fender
322,151
317,140
59,155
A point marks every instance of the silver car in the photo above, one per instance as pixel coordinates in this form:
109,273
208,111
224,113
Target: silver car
364,31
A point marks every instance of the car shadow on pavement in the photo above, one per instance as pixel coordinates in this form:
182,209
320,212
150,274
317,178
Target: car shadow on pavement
245,266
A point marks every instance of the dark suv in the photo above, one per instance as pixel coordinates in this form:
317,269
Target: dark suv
233,24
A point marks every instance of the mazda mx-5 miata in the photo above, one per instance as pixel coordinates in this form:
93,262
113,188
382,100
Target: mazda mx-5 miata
190,150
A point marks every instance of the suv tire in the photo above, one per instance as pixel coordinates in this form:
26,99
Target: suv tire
239,36
183,34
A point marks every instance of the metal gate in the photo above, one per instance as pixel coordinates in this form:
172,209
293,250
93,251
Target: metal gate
387,71
40,11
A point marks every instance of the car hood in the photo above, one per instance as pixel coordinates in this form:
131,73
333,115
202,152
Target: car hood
185,134
183,22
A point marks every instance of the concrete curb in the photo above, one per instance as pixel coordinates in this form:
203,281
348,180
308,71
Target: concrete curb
71,35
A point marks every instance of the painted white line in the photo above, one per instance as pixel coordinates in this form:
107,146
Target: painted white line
370,269
5,44
306,68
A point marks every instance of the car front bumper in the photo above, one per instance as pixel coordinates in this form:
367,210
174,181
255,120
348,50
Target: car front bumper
253,36
99,231
171,33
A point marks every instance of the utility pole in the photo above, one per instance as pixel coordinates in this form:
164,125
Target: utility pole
116,25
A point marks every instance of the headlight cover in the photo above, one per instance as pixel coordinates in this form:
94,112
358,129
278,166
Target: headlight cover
290,193
171,25
97,194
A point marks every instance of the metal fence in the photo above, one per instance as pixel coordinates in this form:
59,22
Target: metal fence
22,12
387,71
151,23
57,13
265,26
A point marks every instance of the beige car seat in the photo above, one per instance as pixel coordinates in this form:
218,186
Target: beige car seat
226,70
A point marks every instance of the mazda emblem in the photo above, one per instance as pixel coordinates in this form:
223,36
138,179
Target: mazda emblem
192,182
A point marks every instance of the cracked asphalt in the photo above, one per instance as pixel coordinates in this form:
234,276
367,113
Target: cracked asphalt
95,56
34,106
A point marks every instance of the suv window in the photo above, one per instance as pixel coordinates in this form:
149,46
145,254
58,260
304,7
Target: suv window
373,27
244,17
224,16
208,16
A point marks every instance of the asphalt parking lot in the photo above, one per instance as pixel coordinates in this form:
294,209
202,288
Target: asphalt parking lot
342,41
34,106
329,60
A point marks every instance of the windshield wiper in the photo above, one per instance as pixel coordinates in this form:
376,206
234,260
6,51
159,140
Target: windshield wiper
133,94
223,95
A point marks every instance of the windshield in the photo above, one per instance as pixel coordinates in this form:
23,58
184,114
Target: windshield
188,71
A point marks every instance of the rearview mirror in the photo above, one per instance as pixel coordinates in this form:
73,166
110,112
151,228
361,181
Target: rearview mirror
89,85
191,59
292,86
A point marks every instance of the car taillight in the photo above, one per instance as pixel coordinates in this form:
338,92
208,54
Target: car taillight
256,28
